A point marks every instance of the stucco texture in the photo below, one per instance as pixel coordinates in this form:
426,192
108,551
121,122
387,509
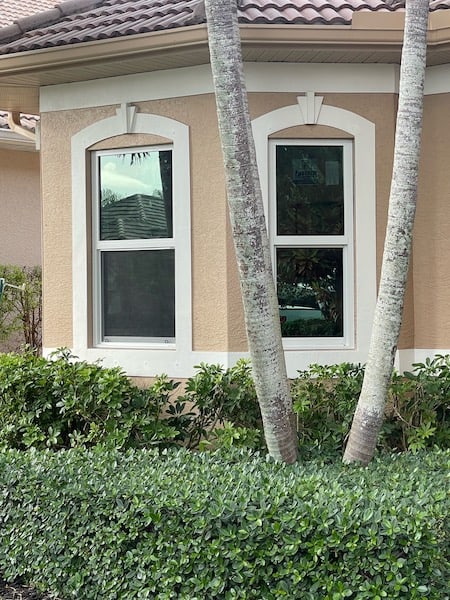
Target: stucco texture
217,308
431,235
20,208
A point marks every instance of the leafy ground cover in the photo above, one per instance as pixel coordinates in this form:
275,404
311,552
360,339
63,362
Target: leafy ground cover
98,523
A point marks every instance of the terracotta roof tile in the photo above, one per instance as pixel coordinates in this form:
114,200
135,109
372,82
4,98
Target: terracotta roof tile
10,10
78,21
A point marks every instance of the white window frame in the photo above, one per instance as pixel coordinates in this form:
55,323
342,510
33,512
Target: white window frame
135,358
344,242
101,246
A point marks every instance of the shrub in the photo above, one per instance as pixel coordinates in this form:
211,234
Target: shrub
21,311
324,399
64,402
118,526
421,404
417,409
215,397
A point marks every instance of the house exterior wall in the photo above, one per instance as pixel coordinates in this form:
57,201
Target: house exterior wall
20,208
431,236
210,247
217,320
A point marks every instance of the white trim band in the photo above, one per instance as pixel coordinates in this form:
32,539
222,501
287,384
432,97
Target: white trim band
193,81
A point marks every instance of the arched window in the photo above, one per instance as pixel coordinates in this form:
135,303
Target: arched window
131,275
319,197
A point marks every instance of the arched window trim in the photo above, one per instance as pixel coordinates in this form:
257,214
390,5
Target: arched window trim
128,121
310,110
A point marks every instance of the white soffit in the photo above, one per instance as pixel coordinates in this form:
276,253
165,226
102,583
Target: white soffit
192,81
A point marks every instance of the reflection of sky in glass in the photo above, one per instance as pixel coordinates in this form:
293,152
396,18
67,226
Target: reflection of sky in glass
119,176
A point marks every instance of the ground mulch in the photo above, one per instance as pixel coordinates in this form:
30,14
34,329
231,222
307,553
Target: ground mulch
17,591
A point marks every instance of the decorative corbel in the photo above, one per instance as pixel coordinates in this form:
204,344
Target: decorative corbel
14,125
127,113
310,106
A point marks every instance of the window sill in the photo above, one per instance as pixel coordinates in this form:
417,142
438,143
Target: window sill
136,346
292,344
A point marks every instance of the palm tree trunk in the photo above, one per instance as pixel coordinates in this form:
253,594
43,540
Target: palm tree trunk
369,413
249,231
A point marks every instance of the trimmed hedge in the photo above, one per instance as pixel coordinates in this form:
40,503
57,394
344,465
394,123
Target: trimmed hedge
91,524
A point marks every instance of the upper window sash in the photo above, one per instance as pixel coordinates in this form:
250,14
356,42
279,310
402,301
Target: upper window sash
129,183
345,235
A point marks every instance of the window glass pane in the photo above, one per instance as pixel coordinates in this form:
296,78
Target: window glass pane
139,294
135,195
310,291
310,191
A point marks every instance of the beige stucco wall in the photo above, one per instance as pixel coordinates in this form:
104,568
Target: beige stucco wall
432,231
20,208
56,132
210,243
217,308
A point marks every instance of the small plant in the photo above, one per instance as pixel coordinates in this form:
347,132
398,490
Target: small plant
21,311
232,436
214,396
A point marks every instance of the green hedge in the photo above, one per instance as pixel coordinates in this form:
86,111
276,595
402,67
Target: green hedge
96,524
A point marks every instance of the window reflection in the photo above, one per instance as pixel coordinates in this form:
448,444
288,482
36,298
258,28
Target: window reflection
135,195
310,191
310,291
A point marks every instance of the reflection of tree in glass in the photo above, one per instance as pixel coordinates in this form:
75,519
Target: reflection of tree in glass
306,212
310,203
295,294
132,213
165,169
108,197
312,274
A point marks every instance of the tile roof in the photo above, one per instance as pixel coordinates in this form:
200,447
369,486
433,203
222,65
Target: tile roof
77,21
10,10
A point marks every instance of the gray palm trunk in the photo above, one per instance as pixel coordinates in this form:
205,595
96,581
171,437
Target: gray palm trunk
249,231
369,412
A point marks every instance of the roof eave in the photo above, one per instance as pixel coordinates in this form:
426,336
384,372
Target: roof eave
22,73
182,38
13,141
